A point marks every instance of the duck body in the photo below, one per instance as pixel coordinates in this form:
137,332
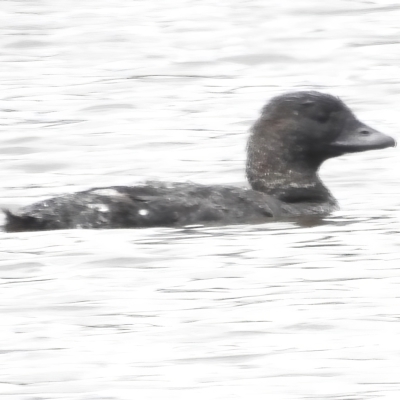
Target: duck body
155,204
294,135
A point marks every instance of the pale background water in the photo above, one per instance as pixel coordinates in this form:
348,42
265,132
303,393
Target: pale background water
102,93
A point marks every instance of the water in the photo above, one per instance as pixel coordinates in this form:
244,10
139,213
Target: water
97,93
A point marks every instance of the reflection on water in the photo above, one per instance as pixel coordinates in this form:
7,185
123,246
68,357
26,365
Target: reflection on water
117,93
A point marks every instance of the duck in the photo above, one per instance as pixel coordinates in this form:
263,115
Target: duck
294,135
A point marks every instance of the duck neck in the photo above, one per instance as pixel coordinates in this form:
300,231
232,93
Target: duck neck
273,170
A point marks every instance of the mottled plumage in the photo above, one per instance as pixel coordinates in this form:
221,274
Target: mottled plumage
294,135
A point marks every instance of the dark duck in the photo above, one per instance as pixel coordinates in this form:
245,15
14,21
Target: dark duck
294,135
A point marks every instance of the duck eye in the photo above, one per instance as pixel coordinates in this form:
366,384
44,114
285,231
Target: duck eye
321,116
314,112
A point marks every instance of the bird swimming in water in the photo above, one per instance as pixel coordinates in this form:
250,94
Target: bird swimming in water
294,135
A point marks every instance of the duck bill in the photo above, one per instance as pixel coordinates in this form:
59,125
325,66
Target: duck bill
360,137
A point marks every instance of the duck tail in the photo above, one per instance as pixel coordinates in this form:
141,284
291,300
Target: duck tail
21,223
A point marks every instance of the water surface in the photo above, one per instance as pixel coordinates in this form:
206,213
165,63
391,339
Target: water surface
101,93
